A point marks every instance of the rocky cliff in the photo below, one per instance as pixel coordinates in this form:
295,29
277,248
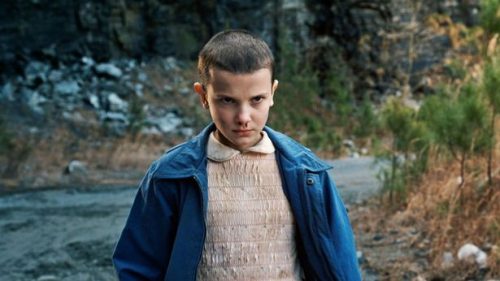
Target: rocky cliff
120,66
357,31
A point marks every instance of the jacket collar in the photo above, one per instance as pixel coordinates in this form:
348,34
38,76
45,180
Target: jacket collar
296,153
190,158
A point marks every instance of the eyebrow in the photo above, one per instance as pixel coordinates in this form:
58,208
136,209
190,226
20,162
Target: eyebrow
230,96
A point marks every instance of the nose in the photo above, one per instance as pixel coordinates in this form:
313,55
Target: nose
243,116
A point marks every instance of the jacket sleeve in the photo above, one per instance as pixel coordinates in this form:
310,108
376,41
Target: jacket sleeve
143,249
343,248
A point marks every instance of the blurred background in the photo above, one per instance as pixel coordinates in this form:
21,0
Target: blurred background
403,97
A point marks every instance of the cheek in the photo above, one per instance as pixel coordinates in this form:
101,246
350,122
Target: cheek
262,115
220,115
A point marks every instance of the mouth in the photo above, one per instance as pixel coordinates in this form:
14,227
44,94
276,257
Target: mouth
242,132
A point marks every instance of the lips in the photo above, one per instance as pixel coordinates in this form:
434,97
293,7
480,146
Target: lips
242,132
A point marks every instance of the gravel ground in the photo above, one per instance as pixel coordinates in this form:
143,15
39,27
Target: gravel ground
70,234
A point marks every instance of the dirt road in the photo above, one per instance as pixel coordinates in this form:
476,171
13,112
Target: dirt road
70,234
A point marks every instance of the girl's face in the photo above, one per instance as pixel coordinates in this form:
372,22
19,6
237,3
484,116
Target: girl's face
239,105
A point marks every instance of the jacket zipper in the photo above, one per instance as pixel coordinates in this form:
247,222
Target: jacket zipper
204,224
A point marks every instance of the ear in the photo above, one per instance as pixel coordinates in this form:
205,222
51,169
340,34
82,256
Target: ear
200,90
274,87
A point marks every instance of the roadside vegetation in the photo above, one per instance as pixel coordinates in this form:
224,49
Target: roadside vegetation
443,174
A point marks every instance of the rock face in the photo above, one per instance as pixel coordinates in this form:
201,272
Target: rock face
386,44
372,38
110,94
107,29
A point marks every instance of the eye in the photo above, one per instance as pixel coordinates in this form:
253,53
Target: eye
226,100
257,99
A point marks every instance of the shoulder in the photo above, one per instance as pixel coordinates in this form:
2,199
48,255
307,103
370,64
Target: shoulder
295,152
183,159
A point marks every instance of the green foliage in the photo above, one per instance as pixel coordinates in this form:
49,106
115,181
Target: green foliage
296,102
367,120
136,116
491,90
326,140
443,208
491,83
394,182
455,70
408,132
457,119
409,154
490,15
186,38
337,92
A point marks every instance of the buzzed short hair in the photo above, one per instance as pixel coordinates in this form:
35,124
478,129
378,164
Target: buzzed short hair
236,51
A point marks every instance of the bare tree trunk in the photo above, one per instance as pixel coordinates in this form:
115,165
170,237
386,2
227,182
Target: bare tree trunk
462,170
491,152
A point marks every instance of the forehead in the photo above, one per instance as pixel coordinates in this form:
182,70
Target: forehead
223,79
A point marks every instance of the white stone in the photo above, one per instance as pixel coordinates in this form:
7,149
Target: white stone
348,143
77,167
138,90
88,61
94,101
187,132
34,102
411,103
168,88
47,278
447,259
143,77
109,69
185,91
7,92
359,255
114,117
73,116
55,76
150,131
67,88
168,123
170,63
36,69
471,252
116,103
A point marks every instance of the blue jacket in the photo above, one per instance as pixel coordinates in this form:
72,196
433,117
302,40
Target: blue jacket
164,234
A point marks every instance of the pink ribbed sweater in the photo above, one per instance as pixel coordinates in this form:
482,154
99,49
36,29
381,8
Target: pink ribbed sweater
250,227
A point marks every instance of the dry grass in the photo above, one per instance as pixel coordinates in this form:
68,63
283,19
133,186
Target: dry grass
109,160
452,216
442,217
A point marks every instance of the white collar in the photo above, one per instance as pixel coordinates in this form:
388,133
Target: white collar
218,152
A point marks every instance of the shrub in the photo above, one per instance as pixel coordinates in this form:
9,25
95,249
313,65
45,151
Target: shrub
366,119
457,120
490,16
409,140
490,89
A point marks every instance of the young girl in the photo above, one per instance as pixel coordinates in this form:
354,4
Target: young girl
239,201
